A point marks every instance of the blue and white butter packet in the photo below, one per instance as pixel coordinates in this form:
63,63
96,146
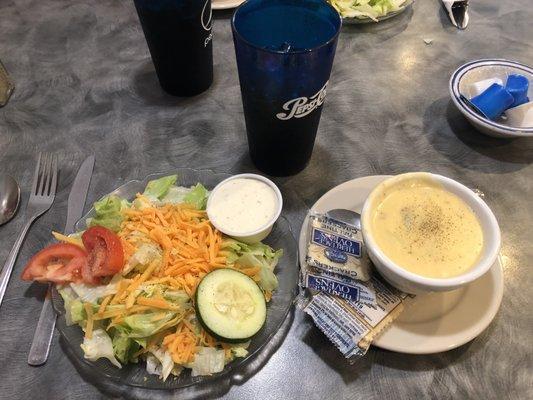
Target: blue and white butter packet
334,246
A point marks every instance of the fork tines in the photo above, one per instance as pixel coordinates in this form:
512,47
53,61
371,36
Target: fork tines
45,177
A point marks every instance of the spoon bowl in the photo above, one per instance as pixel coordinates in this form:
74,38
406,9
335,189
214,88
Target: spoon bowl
349,217
9,198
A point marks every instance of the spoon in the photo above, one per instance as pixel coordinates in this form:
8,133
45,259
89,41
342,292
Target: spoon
349,217
9,198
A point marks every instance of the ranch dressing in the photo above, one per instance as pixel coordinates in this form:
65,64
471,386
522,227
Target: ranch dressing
242,205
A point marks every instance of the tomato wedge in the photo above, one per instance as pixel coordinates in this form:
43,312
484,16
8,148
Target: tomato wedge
106,255
58,263
64,262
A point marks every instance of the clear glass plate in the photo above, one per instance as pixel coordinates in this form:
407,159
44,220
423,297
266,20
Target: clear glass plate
277,310
366,20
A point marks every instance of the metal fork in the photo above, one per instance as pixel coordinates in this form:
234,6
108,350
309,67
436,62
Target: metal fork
42,196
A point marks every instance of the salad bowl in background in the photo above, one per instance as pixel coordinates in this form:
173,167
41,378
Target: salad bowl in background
277,310
356,12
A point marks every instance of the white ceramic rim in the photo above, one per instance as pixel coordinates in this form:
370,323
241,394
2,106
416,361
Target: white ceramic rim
225,5
263,227
481,267
439,344
455,94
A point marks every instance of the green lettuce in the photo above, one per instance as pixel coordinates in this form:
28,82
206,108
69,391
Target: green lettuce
255,255
207,361
179,297
145,254
159,362
174,296
108,213
74,312
239,352
197,196
143,325
175,195
124,347
159,187
163,190
99,346
372,9
91,293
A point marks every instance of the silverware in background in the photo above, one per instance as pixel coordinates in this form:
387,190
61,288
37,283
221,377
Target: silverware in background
9,198
458,12
40,347
42,196
6,86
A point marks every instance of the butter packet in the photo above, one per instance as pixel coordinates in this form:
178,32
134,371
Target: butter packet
352,325
336,247
338,285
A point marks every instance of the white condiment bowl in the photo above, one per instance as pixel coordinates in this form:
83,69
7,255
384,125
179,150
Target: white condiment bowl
261,232
413,283
461,83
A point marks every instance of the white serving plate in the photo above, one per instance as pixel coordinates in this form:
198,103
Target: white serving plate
225,4
434,322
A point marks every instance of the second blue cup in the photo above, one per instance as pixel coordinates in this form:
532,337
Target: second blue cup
518,86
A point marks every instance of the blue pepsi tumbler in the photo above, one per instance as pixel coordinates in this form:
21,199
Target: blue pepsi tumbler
178,34
284,50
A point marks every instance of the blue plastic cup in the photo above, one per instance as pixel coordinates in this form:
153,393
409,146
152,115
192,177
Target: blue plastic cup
493,101
284,50
518,86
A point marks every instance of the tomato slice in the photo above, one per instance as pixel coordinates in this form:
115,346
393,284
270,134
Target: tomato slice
106,255
58,263
65,262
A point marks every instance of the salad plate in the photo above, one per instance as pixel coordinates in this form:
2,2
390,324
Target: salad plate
432,322
225,4
135,374
356,12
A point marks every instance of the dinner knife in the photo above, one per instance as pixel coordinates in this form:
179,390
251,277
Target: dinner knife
40,347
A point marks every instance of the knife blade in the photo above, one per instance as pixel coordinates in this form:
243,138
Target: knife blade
78,194
40,347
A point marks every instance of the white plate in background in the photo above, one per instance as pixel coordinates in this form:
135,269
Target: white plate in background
225,4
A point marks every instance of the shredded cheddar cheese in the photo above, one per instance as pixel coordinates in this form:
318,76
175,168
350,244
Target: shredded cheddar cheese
189,243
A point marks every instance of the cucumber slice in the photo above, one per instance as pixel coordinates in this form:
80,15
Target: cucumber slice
230,305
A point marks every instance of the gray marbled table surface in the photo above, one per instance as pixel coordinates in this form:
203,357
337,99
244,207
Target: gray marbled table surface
86,84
